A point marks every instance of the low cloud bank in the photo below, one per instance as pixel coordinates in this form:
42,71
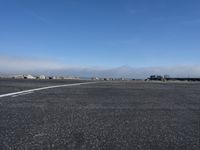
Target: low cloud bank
26,64
15,65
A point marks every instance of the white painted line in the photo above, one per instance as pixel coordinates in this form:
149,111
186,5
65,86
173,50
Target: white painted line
22,94
43,88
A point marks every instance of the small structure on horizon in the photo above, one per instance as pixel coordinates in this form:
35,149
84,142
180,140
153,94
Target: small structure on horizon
94,78
23,77
29,77
42,77
156,78
166,76
52,77
18,77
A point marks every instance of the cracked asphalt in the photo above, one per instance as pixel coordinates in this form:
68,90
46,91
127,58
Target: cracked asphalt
112,115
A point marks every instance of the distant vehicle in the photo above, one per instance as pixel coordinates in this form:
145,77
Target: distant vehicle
156,77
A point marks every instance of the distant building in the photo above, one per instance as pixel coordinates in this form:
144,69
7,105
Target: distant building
156,77
52,77
42,77
120,79
18,77
108,79
94,78
29,77
58,78
166,76
67,78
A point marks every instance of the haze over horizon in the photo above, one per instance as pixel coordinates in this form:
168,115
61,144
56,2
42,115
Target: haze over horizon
129,38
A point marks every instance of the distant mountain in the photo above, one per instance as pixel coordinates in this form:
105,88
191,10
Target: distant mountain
122,71
35,66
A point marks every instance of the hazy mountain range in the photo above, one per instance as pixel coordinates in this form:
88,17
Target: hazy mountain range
11,65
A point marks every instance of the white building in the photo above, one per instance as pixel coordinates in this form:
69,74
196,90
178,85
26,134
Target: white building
29,77
42,77
95,78
18,77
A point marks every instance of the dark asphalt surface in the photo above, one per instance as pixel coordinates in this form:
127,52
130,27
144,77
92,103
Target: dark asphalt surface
105,116
13,85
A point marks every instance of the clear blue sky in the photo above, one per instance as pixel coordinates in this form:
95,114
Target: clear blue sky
138,33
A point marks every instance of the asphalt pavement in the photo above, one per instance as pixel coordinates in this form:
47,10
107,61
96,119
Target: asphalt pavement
112,115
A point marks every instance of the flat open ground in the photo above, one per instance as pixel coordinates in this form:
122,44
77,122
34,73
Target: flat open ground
104,115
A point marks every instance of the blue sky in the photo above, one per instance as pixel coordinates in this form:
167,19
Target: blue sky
104,33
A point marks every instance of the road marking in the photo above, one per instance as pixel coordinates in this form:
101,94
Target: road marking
22,94
43,88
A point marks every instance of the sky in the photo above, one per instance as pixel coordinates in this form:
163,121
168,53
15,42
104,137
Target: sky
100,34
